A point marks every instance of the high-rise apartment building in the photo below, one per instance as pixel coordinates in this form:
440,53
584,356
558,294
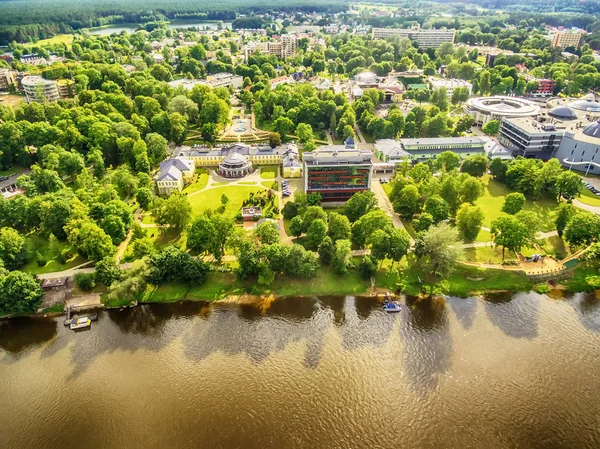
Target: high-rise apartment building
566,39
425,38
39,89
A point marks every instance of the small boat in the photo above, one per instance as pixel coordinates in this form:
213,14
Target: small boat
391,307
80,323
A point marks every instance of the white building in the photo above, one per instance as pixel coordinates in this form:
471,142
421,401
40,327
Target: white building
39,89
449,84
225,80
425,38
173,174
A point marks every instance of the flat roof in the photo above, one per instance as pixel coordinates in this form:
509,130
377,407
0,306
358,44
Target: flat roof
442,141
508,106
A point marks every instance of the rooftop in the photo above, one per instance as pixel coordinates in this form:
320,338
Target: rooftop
441,141
337,155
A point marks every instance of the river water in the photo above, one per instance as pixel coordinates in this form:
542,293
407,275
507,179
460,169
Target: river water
499,372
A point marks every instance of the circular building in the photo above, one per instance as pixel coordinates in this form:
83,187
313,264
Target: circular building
586,105
484,109
592,130
235,165
562,113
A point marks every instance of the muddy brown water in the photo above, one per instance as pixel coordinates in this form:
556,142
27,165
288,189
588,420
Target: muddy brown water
504,371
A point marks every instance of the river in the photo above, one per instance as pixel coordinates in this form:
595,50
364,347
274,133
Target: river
500,372
206,25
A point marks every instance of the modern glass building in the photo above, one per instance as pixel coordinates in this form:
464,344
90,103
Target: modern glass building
336,172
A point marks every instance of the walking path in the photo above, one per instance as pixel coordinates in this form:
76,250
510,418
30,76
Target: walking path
386,205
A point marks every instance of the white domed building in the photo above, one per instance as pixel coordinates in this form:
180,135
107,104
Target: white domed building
235,165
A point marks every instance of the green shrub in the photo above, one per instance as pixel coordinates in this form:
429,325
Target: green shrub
541,288
85,281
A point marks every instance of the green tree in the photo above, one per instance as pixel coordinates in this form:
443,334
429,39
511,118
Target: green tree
475,165
369,223
509,233
469,219
209,133
513,203
367,267
339,227
296,226
342,256
268,233
274,139
359,204
175,212
437,207
408,202
313,213
470,189
316,232
144,198
19,293
582,229
491,128
304,132
447,160
326,251
90,240
568,185
283,126
107,271
563,215
13,251
441,247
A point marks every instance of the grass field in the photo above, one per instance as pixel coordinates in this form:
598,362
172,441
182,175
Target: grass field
555,246
273,185
589,198
464,281
211,199
58,39
12,100
487,254
493,198
200,182
160,240
269,172
38,243
219,285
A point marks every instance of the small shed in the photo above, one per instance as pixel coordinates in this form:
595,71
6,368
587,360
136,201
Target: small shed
251,213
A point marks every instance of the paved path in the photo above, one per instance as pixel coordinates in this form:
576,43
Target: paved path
589,208
386,205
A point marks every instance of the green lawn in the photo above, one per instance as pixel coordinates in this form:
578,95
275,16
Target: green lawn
58,39
148,219
555,246
578,282
487,254
39,244
160,240
464,281
219,285
269,172
14,169
493,198
273,185
247,183
200,182
588,197
211,199
483,236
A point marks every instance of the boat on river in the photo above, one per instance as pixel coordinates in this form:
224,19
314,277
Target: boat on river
391,307
80,323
